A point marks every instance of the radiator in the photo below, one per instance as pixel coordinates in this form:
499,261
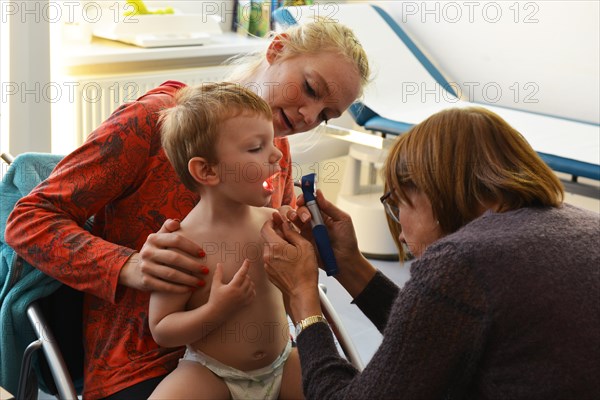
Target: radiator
96,97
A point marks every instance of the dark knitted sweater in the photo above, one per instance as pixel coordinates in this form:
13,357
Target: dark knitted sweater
506,308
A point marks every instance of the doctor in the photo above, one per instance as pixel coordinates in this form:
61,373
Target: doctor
503,297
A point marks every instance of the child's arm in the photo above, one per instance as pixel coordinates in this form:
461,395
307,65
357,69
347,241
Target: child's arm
171,325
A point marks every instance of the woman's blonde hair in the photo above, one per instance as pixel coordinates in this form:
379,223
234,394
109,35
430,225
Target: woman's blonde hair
191,127
316,37
463,158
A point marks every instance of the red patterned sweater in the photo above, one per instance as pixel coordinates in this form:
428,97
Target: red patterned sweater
121,176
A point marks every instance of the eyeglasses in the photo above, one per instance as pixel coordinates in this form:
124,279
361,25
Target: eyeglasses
391,210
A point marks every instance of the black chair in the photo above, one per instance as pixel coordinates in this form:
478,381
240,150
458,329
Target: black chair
57,322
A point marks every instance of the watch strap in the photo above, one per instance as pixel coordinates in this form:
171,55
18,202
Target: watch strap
308,321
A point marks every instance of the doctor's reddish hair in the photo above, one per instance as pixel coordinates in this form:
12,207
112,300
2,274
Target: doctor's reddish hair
463,158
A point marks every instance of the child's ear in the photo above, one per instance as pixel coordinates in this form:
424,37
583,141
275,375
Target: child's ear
203,172
275,47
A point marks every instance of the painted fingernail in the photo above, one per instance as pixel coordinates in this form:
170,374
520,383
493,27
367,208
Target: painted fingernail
205,270
176,219
201,253
293,215
304,217
201,283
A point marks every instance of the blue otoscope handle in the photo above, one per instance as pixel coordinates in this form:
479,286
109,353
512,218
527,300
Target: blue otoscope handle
325,251
318,227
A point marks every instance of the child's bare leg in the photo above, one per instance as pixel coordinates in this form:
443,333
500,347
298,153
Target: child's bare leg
191,380
291,379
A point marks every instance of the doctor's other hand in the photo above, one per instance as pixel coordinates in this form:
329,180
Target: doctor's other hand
290,259
167,262
284,211
355,271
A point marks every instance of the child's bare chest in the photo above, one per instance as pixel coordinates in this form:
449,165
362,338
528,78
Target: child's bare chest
231,249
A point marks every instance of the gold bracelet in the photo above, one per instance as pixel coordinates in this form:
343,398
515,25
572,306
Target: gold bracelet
308,321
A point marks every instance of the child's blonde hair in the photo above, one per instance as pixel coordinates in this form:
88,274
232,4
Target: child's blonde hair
316,37
190,128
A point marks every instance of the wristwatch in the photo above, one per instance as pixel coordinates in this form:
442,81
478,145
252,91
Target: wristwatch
308,321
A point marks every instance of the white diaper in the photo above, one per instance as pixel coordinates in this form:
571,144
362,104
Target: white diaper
263,383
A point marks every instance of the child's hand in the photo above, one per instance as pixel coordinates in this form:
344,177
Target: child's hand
231,296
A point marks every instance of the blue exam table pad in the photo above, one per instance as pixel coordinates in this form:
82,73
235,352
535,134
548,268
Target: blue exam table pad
567,146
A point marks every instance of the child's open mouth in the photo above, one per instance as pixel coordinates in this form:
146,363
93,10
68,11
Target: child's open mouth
268,183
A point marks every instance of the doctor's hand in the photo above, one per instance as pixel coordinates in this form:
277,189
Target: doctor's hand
339,226
291,263
354,269
167,262
290,260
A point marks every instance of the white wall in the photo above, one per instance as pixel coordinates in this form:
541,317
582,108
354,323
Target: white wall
24,73
27,93
542,55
